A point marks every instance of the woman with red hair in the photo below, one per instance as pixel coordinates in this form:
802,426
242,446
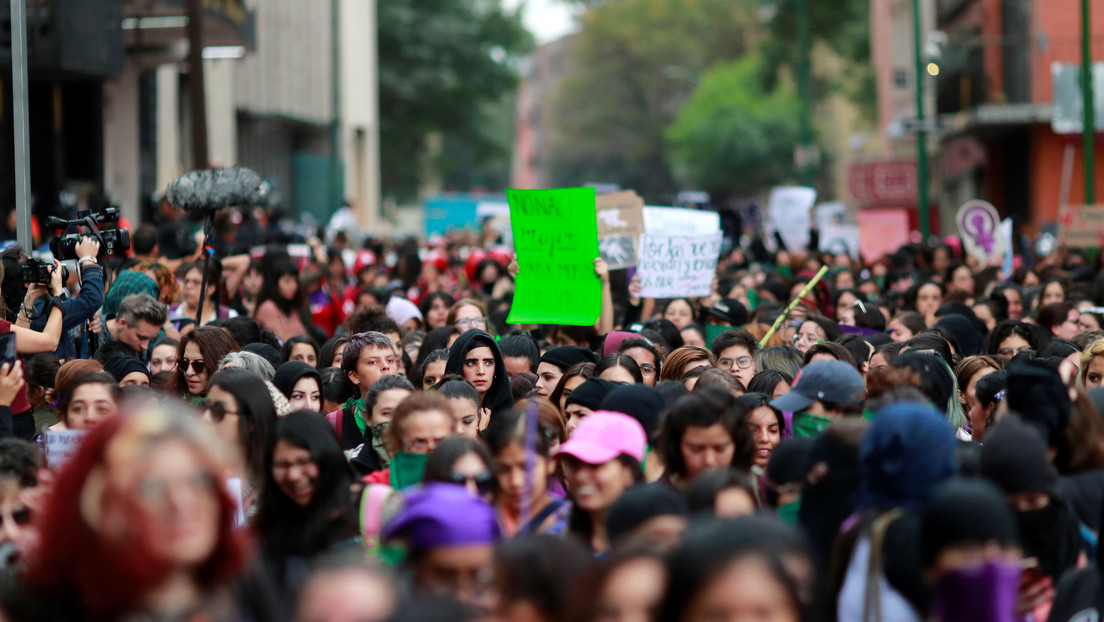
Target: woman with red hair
139,524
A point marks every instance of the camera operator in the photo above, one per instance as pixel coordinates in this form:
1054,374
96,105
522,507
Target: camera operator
16,414
77,310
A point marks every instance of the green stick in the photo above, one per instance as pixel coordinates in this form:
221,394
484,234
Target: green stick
793,303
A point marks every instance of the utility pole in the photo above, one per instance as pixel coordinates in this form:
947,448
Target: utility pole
197,87
921,130
1088,136
804,93
19,108
335,93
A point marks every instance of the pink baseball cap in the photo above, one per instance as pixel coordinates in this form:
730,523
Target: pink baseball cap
603,436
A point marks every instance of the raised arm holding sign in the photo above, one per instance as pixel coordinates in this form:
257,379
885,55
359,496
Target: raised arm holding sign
556,238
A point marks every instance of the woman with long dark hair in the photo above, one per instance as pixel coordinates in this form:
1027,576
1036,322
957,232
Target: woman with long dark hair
197,357
476,357
240,408
306,504
282,304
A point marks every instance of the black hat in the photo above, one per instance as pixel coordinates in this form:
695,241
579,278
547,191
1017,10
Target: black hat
591,393
638,401
122,365
566,356
730,310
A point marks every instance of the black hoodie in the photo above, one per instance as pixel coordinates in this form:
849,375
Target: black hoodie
498,397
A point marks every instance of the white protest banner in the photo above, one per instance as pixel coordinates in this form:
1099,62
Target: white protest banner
61,445
830,214
979,228
680,221
840,239
671,266
788,214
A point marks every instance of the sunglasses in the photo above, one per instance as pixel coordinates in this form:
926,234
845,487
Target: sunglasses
218,411
484,482
184,364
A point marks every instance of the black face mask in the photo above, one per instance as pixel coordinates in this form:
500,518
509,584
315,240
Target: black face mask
1051,535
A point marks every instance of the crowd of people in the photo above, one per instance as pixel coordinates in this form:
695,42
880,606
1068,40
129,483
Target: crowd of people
329,432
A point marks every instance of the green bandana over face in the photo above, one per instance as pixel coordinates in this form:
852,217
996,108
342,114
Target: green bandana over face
788,512
379,442
806,424
407,469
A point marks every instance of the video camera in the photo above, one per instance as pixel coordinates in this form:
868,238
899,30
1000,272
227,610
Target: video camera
112,240
38,271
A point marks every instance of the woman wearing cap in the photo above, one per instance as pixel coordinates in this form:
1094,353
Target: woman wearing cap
449,536
601,460
585,400
555,363
821,393
476,357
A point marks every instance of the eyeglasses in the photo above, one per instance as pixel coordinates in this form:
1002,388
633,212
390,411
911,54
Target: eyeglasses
647,369
742,362
469,322
813,339
184,364
484,482
218,411
287,465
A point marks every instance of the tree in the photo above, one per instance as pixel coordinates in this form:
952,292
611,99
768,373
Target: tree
843,27
444,66
635,63
734,137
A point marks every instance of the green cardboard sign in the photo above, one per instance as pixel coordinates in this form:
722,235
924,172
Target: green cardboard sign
556,239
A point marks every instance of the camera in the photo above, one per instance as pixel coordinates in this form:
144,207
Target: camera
103,226
38,271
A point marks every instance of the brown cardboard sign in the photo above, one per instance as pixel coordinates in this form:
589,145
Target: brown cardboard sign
620,223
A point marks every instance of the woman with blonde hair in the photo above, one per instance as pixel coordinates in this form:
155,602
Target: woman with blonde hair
683,360
1092,365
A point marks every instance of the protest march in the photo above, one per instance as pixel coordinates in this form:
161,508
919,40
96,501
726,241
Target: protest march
674,425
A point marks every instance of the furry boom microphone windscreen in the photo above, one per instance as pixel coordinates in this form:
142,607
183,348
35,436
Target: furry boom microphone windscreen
201,192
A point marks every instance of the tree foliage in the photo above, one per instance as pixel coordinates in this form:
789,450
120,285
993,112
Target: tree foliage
635,64
444,67
842,26
734,137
